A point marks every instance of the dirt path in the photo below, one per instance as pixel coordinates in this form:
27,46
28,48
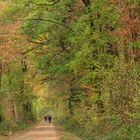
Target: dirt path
41,132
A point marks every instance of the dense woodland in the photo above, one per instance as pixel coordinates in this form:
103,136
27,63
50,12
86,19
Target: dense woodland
78,60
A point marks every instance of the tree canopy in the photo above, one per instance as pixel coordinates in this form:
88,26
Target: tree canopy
76,59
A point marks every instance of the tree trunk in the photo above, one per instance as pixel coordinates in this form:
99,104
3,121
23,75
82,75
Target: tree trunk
100,104
1,117
24,70
14,108
0,74
86,2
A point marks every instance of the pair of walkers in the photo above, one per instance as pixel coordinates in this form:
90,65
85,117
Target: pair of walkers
48,119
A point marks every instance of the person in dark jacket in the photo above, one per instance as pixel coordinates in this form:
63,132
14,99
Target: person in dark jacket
45,118
50,119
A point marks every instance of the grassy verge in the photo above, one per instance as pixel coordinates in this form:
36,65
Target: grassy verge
68,136
73,132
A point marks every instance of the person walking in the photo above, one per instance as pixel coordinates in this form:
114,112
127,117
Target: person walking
45,118
50,119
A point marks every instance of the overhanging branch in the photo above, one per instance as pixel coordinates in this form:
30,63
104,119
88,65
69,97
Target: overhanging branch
47,4
48,20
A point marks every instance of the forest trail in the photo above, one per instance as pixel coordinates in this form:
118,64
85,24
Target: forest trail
42,131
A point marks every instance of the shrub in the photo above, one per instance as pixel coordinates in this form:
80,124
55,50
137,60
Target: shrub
5,127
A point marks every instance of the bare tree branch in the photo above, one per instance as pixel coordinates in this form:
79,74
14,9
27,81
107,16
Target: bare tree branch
52,78
47,4
86,2
48,20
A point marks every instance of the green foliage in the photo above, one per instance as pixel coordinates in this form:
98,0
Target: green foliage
81,54
5,127
23,125
136,45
